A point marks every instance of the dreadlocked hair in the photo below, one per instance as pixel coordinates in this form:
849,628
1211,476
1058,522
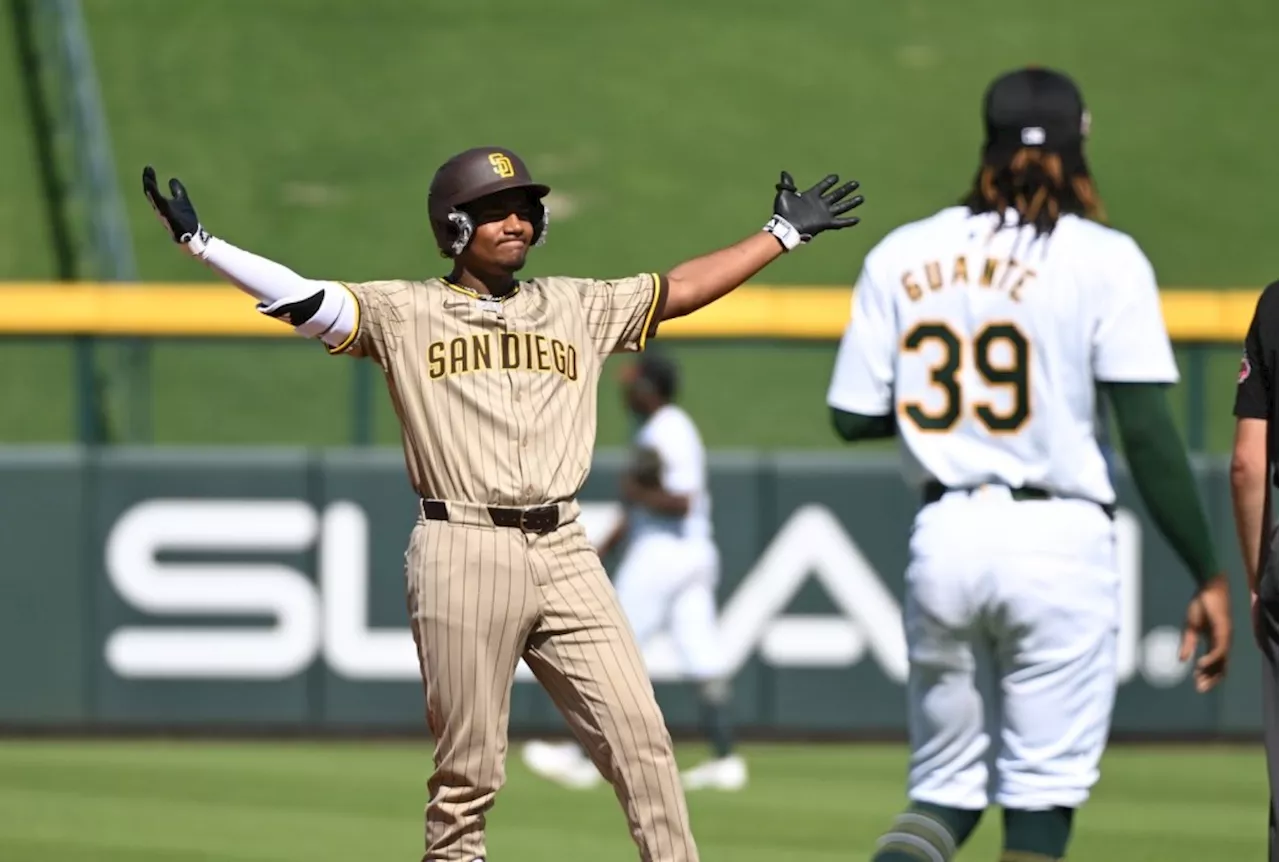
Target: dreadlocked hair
1038,185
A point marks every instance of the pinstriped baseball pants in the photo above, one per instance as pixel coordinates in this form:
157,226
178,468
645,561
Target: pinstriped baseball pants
480,598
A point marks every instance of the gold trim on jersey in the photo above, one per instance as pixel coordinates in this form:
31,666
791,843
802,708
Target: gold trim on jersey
355,330
475,294
653,308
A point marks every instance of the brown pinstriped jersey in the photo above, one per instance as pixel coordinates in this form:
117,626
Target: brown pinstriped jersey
497,397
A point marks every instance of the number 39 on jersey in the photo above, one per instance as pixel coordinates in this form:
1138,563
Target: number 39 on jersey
999,356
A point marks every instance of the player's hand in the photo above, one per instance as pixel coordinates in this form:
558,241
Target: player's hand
1208,616
800,216
176,213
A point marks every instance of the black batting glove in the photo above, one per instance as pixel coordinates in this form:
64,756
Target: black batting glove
800,216
176,213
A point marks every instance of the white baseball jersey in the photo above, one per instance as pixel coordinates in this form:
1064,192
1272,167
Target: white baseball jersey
666,580
671,433
987,344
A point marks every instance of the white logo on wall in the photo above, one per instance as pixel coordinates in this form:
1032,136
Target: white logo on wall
329,619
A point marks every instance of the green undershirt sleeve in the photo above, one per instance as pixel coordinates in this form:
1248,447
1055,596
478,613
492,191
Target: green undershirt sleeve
855,426
1158,462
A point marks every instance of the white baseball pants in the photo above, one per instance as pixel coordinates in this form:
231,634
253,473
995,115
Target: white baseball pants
667,583
1024,597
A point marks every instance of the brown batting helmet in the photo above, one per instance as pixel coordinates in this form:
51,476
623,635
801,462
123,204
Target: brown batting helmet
469,176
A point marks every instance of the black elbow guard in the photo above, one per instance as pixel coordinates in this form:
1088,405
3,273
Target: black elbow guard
299,311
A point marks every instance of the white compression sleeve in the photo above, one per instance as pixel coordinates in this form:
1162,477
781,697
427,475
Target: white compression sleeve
265,280
278,288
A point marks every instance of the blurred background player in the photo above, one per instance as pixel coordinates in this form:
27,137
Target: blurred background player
980,336
668,575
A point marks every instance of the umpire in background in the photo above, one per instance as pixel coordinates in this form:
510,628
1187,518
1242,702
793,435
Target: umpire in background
1253,478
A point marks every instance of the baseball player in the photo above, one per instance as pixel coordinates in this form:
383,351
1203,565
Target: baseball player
494,381
667,578
981,336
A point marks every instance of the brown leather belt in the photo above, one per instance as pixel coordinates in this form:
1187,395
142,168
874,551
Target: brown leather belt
536,519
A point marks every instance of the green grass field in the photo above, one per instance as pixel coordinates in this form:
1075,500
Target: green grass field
335,802
307,130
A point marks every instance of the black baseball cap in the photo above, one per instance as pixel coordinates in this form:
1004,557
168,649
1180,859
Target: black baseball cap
1034,107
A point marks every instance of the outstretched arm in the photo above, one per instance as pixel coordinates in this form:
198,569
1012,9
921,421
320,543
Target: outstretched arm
316,309
797,218
703,280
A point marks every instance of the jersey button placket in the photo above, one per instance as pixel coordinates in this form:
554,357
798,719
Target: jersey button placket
517,442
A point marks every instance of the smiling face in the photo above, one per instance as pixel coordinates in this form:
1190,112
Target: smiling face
504,231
